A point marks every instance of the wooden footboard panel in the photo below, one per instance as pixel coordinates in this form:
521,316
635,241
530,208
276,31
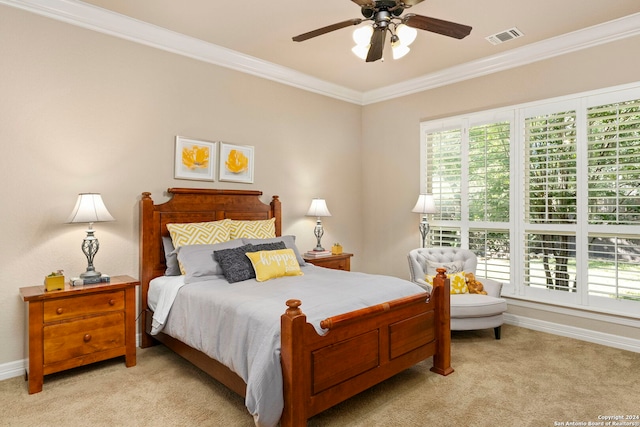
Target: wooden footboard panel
360,350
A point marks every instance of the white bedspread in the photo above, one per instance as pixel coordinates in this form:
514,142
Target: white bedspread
238,324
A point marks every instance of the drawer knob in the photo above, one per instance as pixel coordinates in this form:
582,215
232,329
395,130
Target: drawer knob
87,338
59,310
112,302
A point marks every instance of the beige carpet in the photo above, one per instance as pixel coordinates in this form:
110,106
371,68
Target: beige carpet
528,378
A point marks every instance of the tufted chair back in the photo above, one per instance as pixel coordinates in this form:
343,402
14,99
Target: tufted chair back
442,254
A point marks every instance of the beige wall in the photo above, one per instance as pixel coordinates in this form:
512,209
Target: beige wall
391,142
81,111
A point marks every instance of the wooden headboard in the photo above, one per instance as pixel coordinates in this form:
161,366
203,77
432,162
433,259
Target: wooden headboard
193,205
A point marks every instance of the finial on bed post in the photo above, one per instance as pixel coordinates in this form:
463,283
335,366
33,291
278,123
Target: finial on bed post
146,195
442,293
294,307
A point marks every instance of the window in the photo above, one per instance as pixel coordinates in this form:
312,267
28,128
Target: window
546,194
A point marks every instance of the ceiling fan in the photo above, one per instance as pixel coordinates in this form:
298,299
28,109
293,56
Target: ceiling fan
386,16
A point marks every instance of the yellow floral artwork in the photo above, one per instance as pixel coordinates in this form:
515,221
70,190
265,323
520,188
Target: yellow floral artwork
237,162
195,157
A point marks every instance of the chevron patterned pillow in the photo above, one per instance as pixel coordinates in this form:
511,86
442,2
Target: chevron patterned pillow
261,229
199,233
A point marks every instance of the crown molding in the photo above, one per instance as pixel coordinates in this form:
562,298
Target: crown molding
101,20
104,21
607,32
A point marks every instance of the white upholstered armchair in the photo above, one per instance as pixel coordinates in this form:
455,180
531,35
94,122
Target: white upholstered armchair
468,311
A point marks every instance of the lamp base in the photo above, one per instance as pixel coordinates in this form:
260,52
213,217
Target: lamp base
91,275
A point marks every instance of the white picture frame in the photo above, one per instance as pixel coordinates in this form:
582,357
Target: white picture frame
195,159
236,163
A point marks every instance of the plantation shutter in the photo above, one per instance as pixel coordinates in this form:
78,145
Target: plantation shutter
614,163
551,181
444,171
489,172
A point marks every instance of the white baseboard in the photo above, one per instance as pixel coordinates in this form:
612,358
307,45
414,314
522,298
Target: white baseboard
609,340
12,369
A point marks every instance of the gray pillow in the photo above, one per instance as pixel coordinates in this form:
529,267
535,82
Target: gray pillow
198,261
289,242
170,257
236,266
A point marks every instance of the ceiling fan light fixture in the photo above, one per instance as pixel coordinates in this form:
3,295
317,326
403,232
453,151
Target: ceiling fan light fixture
399,51
362,35
360,51
406,34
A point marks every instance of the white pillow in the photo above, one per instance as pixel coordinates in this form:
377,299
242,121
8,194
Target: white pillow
451,266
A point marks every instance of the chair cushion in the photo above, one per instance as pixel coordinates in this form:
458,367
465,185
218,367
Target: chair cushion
476,305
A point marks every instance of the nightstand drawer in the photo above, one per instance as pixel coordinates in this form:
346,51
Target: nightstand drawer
336,264
67,340
68,308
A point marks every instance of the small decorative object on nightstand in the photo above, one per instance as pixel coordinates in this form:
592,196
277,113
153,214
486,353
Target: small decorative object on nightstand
336,262
79,325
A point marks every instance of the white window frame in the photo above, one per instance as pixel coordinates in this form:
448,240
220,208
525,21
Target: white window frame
517,228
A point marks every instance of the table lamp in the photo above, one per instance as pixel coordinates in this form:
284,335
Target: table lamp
425,205
90,208
318,209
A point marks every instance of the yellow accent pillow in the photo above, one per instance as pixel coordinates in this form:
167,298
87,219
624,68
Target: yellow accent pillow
260,229
272,264
199,233
457,280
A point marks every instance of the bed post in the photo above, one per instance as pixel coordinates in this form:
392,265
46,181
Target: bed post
442,294
276,210
146,268
294,377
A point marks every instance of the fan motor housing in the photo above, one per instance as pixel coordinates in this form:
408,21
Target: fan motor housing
392,6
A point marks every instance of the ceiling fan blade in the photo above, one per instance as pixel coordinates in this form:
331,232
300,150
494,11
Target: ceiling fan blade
377,45
325,30
446,28
410,2
361,3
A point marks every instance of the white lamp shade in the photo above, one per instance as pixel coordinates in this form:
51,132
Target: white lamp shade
90,208
425,204
399,51
406,34
362,35
318,208
360,51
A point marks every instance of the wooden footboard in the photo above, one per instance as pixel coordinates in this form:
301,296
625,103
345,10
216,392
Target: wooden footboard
361,349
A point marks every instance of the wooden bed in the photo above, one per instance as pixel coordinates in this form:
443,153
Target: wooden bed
361,349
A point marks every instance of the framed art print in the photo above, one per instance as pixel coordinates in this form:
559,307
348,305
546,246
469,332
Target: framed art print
195,159
236,163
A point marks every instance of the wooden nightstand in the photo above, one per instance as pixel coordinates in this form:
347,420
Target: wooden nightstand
337,262
79,325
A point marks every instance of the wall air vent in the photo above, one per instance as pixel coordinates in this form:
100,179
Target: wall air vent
505,36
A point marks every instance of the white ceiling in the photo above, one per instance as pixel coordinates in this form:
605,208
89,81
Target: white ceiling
263,30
